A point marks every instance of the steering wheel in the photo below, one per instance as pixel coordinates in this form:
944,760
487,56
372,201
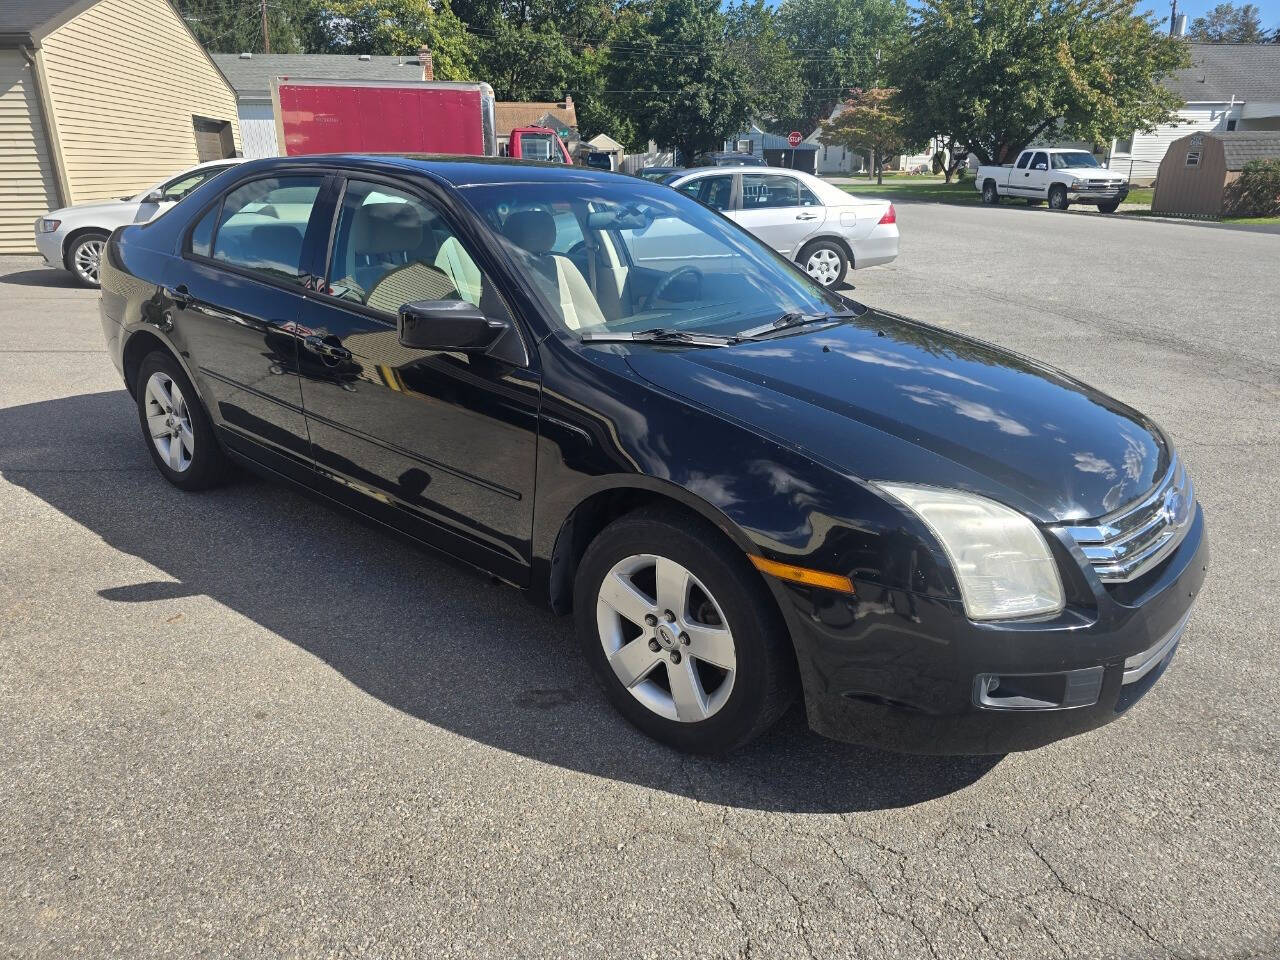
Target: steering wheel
669,279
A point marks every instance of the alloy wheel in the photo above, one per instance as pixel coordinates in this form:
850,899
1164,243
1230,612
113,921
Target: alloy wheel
824,266
169,422
88,260
666,638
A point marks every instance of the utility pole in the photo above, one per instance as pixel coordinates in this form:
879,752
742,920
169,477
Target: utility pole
1173,16
266,32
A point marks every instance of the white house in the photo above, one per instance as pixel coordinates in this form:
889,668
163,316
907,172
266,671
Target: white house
1229,86
250,75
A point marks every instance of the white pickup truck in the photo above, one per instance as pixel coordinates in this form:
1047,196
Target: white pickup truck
1062,177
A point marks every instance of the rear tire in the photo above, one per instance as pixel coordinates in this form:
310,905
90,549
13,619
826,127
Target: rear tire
990,195
716,674
84,259
1058,197
825,261
175,426
1109,207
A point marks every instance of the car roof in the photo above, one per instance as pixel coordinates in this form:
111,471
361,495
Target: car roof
458,171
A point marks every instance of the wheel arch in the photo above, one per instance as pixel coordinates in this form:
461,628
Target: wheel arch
139,343
70,240
606,502
834,238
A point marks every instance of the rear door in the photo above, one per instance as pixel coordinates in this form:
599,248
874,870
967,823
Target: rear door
779,210
237,293
1020,175
438,443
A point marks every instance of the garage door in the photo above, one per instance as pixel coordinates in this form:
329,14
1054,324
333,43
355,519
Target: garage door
27,185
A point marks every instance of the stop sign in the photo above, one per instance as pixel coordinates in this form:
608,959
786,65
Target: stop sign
794,138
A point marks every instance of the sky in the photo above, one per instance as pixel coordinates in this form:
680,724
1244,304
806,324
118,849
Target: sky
1194,8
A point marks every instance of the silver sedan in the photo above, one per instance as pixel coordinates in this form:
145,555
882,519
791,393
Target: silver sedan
815,223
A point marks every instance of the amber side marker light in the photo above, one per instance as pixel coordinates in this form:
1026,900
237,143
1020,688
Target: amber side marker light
810,578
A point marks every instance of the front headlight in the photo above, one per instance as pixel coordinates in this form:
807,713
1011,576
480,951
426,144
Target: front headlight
1077,184
1001,560
45,225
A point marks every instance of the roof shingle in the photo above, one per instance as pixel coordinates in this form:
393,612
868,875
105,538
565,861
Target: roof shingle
1220,71
250,77
1241,146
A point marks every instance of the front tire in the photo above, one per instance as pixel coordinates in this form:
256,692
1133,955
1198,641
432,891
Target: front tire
175,427
990,195
84,258
681,634
825,261
1058,197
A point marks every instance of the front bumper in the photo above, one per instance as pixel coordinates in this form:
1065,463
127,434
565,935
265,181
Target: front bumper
50,247
911,673
1098,196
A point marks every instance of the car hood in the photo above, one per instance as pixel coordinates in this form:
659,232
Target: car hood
1091,173
117,207
884,398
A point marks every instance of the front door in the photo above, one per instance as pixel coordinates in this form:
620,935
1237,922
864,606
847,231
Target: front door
779,210
237,294
439,443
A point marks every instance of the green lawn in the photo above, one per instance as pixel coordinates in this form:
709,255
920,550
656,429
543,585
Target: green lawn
921,189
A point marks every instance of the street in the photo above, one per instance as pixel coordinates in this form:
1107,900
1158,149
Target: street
244,724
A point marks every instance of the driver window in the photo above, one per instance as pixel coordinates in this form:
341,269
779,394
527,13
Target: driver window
392,248
179,188
1040,162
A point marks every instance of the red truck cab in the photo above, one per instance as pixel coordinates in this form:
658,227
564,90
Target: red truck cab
537,143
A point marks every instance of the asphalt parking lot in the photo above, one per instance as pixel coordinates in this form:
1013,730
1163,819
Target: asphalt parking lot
242,724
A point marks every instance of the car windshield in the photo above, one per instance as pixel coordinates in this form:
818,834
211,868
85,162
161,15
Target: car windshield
537,146
619,258
1063,161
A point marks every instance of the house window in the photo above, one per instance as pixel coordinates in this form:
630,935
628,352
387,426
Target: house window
214,140
1124,147
1231,125
743,146
1193,158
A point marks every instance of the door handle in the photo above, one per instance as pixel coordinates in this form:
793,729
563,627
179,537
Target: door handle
325,347
180,296
806,216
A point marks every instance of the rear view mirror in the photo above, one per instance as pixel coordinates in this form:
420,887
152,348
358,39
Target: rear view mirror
447,325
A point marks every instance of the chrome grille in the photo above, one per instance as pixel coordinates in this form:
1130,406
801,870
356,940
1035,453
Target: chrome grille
1126,544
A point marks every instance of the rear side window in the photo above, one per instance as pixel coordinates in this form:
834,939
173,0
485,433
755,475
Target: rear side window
761,191
715,192
262,225
1023,161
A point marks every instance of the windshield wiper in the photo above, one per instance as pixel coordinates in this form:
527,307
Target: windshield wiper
658,335
789,320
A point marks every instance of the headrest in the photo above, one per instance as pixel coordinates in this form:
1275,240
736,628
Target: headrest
282,240
386,228
532,230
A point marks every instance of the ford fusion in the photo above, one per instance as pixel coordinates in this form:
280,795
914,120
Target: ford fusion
743,487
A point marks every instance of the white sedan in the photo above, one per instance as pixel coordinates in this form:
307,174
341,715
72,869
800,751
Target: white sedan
816,224
73,238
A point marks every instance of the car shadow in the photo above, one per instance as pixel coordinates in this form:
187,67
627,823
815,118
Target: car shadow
438,642
43,277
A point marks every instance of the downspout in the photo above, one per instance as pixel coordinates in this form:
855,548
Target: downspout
49,122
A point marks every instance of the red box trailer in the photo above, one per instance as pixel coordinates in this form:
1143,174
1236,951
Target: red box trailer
374,116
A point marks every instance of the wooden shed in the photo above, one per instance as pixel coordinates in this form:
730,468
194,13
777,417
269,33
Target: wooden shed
1197,169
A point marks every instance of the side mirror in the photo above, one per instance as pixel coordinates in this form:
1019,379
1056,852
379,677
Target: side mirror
155,196
447,325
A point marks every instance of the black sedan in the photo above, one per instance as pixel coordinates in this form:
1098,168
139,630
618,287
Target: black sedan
742,486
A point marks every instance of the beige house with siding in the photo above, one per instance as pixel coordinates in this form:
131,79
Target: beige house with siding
100,99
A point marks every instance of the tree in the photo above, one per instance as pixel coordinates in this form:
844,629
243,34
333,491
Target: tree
837,45
391,27
682,86
870,121
223,27
1227,23
755,39
995,75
